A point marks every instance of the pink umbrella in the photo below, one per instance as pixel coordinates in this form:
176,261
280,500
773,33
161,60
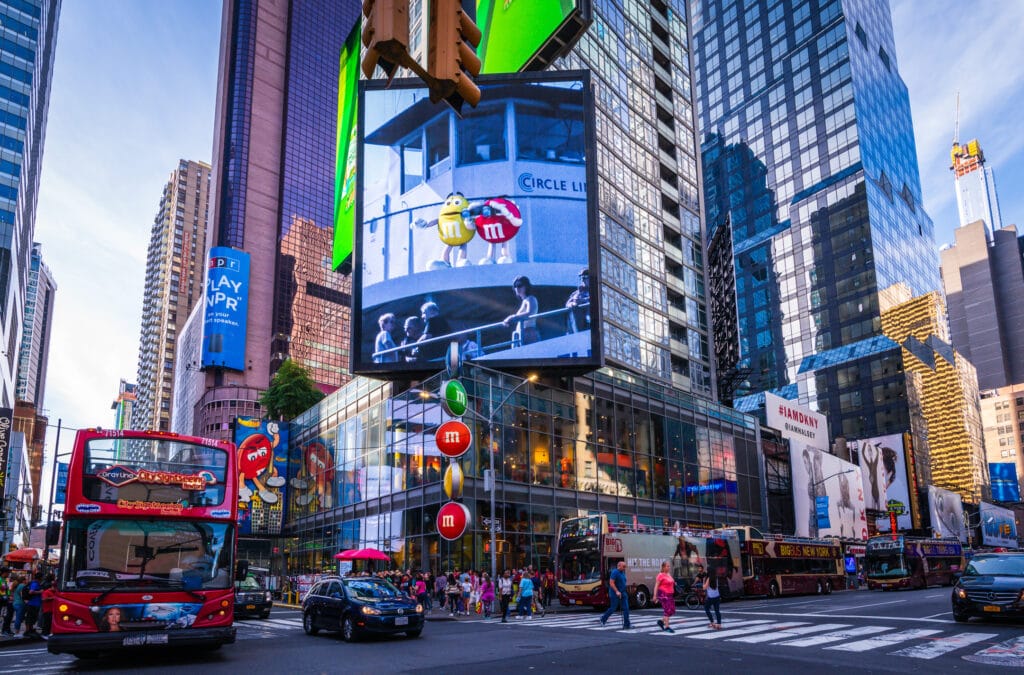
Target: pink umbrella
346,555
369,554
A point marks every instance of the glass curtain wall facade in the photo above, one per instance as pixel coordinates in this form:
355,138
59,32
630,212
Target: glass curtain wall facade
609,442
28,40
652,261
808,153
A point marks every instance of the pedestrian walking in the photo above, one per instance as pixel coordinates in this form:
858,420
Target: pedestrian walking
525,607
617,594
46,620
18,597
467,591
666,593
505,591
33,603
454,591
713,600
5,600
440,585
487,594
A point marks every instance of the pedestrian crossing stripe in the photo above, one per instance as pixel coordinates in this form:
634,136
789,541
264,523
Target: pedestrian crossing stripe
833,636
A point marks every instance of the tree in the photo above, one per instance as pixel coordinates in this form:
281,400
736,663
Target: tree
291,392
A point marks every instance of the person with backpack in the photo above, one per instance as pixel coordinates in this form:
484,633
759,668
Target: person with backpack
505,592
454,590
713,600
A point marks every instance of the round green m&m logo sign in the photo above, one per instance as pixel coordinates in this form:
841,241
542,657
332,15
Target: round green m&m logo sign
453,398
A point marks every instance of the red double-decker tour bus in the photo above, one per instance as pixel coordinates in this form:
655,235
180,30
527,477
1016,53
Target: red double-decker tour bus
776,565
148,551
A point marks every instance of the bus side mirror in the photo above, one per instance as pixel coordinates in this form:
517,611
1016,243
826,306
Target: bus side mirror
241,570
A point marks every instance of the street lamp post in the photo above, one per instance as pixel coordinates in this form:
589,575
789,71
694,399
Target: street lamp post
493,483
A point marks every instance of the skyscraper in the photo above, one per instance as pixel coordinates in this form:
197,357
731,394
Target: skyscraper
983,277
809,156
29,34
175,268
976,197
35,335
273,158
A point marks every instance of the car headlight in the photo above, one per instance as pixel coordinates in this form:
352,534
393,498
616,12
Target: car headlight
371,611
419,609
267,597
961,593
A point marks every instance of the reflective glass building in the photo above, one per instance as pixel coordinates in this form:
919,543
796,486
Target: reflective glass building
28,37
272,195
809,156
609,442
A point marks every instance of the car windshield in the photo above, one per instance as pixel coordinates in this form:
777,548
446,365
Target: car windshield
249,584
1003,566
371,591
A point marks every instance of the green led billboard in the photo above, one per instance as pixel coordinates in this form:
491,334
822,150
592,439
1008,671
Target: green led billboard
345,162
515,30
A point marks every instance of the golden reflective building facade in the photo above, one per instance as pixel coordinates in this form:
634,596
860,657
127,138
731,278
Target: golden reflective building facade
947,386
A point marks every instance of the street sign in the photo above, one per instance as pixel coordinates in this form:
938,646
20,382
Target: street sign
487,523
453,481
453,398
452,520
896,506
453,438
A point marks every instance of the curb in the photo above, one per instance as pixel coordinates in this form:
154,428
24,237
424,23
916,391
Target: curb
20,641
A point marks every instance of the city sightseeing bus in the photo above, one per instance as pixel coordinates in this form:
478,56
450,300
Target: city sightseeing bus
588,551
778,565
148,549
900,561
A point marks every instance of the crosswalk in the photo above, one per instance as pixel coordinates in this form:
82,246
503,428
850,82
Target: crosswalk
254,629
915,643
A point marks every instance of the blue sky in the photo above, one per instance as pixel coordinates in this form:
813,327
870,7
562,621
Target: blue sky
133,92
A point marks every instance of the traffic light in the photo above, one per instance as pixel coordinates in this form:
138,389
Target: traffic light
451,61
385,36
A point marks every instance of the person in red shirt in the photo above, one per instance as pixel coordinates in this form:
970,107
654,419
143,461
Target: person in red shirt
46,621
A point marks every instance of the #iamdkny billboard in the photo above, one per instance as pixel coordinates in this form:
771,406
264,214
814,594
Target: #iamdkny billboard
478,229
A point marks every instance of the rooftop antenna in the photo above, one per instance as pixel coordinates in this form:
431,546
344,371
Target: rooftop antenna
956,123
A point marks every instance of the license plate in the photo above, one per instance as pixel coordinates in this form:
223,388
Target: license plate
133,640
401,621
992,608
572,602
250,606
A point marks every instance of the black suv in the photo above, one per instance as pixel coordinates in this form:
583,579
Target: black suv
358,605
991,585
251,599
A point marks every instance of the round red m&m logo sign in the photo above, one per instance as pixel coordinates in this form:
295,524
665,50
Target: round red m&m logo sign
452,520
453,438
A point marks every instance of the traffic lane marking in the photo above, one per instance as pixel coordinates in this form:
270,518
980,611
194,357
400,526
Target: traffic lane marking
792,633
873,604
935,647
840,616
835,636
719,634
885,640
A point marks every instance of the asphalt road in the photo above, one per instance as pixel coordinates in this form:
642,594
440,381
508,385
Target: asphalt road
863,632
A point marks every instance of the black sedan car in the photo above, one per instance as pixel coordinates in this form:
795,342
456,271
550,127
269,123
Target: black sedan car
252,599
359,605
991,585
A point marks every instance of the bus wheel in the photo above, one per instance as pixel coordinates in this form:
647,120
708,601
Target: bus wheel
773,590
641,597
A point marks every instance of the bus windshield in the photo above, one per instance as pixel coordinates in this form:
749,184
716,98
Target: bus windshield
580,566
108,554
149,471
886,565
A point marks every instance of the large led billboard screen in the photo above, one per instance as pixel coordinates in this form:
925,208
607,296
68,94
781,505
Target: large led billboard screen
514,33
479,229
345,168
827,496
227,308
998,526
